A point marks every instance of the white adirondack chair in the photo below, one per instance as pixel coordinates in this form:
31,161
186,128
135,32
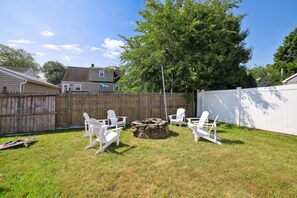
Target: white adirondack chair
87,131
200,121
115,121
205,131
179,117
103,136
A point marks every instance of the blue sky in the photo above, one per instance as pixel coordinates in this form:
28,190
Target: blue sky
82,32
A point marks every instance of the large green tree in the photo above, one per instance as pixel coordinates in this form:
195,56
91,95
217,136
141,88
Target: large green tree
199,43
285,58
53,71
288,51
17,58
285,62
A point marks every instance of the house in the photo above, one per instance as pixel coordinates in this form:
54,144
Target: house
291,80
262,82
92,79
25,70
24,80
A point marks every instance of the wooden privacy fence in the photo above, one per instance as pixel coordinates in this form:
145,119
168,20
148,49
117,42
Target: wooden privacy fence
71,106
26,113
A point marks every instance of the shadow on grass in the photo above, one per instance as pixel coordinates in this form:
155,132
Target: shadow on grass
223,141
113,148
230,142
3,190
70,130
172,134
221,131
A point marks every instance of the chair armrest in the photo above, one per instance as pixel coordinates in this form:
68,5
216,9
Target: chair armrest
173,115
117,130
104,127
105,121
190,119
123,117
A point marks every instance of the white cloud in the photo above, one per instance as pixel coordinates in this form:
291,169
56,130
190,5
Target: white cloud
47,33
21,41
94,49
40,54
65,57
112,48
52,47
11,45
72,47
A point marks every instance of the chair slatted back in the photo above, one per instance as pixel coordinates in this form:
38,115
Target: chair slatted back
86,116
98,129
112,117
214,124
180,114
203,118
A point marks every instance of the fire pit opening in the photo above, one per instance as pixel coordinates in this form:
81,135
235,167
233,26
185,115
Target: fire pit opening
150,128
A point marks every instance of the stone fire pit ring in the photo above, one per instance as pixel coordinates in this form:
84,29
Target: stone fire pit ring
150,128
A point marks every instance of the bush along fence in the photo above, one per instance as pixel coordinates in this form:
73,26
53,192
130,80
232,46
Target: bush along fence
27,113
269,108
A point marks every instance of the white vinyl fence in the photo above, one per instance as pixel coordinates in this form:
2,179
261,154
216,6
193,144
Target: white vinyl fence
268,108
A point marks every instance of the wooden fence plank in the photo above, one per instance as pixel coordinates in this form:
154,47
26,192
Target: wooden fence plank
25,113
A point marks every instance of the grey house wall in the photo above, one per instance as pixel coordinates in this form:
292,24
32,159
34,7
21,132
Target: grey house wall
37,88
92,87
94,75
292,81
11,83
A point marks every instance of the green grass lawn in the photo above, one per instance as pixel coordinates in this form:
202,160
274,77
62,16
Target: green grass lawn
250,163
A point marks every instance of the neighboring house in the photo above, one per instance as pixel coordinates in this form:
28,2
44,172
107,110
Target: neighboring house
291,80
261,82
92,79
24,70
23,80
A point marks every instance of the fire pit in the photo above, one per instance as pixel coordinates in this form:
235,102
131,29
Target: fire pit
150,128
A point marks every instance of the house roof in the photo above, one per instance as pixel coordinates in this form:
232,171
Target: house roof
18,69
287,79
80,74
27,77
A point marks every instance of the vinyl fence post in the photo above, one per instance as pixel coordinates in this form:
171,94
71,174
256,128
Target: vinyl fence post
197,104
239,106
202,101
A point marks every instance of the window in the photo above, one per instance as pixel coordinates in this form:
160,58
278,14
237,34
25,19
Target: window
101,73
65,88
77,87
116,88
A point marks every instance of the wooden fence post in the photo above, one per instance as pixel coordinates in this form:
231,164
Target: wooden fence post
69,107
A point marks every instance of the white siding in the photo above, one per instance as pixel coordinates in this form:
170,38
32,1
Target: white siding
11,83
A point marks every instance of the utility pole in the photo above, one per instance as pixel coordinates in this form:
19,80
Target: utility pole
164,94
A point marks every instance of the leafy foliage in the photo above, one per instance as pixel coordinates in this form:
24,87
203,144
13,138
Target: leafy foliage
17,58
200,44
53,71
285,62
288,51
